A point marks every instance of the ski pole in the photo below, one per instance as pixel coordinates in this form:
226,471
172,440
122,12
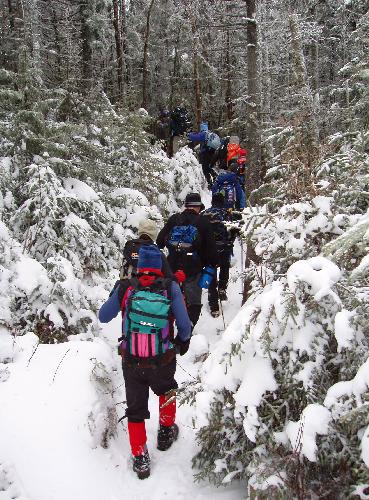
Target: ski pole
221,310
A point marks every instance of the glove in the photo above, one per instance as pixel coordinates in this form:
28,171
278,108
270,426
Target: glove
180,276
181,346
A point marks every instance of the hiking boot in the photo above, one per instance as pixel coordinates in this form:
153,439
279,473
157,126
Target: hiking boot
141,465
222,294
166,436
215,314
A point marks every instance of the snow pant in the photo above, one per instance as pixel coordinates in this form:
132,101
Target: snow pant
138,381
205,158
224,260
192,292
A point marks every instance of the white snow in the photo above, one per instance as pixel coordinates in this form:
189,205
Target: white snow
79,189
30,275
343,331
302,434
318,272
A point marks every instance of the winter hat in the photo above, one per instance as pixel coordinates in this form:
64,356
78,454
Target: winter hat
149,227
204,127
149,257
193,200
217,199
234,139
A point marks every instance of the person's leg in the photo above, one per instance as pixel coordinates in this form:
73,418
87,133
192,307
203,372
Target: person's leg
213,294
137,396
193,293
225,262
164,385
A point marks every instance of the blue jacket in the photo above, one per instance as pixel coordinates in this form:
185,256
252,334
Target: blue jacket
198,137
231,177
111,308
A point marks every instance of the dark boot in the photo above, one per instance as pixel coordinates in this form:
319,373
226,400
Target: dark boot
141,465
166,436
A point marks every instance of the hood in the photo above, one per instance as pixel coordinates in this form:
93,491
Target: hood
204,127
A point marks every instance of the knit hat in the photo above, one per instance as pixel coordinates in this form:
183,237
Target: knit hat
193,200
149,257
217,199
234,139
149,227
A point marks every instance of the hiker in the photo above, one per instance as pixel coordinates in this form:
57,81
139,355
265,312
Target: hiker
147,233
228,184
149,304
162,128
217,216
209,143
191,245
180,122
220,155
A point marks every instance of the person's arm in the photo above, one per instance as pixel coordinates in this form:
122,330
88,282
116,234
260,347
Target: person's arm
162,237
179,310
165,267
241,197
110,308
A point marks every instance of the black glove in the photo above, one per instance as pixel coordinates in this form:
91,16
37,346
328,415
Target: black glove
181,345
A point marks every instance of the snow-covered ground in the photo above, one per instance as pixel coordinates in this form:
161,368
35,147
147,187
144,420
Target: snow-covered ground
56,400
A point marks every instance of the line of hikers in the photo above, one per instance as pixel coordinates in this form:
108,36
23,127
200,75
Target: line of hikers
152,294
225,153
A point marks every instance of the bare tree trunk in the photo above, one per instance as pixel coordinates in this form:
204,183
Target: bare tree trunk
228,79
86,47
123,36
310,134
253,125
196,79
118,48
145,56
174,77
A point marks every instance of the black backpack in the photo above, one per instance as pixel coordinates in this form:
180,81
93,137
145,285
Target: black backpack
216,217
130,258
180,120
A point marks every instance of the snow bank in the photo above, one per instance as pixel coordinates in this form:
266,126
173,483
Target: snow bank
56,403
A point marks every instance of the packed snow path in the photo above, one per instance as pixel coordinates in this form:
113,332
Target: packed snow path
171,471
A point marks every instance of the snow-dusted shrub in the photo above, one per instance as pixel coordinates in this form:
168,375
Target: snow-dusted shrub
270,404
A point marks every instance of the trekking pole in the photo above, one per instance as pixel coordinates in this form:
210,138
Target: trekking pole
242,268
222,313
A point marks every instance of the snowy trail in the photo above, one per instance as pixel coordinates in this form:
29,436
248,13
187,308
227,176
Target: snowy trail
53,412
171,472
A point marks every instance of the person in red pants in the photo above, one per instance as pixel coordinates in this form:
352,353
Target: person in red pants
150,304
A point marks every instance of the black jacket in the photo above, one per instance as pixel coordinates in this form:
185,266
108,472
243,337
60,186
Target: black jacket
206,253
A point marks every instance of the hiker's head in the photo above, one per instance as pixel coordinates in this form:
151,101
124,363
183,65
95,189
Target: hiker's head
234,139
217,200
149,259
193,202
147,229
204,126
233,166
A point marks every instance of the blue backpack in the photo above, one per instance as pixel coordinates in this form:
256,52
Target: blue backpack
228,190
183,238
212,140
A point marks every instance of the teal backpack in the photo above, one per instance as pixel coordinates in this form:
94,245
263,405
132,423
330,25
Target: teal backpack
146,325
